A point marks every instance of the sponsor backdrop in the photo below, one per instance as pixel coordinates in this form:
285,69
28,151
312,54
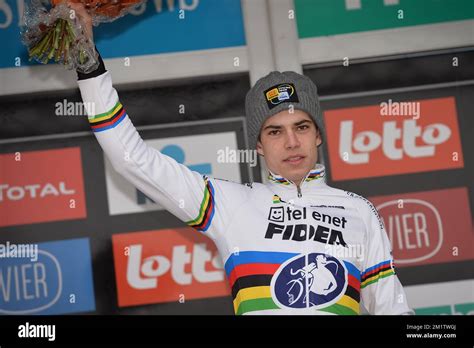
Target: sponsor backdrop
336,30
105,248
57,280
102,246
418,135
409,153
165,266
156,27
350,16
27,178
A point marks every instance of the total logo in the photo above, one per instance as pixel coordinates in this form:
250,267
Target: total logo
363,143
167,266
16,193
30,192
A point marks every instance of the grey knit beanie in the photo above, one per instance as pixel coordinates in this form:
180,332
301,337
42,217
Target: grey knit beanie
276,92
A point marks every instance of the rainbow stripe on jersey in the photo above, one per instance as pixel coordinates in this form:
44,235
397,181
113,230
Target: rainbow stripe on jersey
109,119
375,273
206,211
250,274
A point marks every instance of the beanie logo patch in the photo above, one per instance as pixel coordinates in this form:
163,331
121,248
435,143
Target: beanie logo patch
284,92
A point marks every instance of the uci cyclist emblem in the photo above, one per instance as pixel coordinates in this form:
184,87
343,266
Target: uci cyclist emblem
313,280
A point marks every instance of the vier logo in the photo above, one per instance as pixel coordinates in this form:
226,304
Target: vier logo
425,227
29,287
416,231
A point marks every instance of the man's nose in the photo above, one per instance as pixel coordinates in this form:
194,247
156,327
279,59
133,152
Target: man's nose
292,140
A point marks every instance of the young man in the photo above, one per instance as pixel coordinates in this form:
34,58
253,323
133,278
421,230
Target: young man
292,246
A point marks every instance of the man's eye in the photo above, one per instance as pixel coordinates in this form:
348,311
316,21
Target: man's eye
274,132
303,127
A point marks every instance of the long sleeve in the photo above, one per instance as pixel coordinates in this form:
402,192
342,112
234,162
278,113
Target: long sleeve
381,290
202,202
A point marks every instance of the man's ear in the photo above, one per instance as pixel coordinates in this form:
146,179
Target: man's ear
318,139
260,149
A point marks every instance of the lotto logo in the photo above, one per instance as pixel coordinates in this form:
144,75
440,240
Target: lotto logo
167,266
143,273
363,142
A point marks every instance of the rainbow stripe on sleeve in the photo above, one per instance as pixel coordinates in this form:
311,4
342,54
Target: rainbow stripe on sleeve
376,272
109,119
206,211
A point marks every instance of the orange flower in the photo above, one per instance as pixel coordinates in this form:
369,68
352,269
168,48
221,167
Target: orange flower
108,8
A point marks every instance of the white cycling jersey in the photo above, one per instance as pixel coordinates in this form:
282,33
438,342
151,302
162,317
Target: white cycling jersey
313,250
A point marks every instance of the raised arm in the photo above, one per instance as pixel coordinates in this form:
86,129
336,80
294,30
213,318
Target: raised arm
202,202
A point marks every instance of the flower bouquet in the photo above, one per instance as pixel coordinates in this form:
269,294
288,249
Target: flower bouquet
53,30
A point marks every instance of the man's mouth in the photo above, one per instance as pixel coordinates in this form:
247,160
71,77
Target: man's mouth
294,159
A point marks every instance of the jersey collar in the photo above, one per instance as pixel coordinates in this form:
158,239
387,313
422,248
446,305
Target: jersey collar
315,177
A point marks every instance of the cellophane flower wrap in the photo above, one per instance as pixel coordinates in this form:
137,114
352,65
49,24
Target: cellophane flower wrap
53,31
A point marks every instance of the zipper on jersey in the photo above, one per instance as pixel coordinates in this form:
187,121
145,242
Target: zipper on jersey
298,187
